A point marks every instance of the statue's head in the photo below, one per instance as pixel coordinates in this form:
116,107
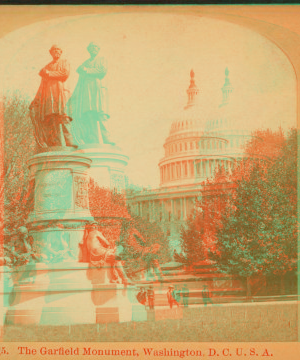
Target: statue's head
55,52
22,230
93,49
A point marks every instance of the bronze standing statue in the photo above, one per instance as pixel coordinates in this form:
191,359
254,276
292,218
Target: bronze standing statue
88,101
48,111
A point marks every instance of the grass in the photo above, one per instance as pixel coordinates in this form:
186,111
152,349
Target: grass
276,322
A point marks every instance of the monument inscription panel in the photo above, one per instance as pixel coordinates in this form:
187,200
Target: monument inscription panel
53,190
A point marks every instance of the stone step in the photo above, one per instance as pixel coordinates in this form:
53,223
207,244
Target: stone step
223,295
199,281
198,276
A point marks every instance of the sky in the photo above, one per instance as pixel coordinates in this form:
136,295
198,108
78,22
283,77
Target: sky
149,59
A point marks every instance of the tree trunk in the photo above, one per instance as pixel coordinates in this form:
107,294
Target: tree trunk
248,296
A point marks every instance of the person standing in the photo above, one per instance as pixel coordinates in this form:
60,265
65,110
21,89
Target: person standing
185,295
151,297
48,110
142,297
206,295
177,294
171,299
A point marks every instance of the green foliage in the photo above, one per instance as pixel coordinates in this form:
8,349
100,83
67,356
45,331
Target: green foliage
258,229
19,145
192,236
152,234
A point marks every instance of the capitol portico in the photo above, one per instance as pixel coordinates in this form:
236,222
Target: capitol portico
200,140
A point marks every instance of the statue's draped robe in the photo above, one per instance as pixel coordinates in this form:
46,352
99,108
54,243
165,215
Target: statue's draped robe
87,104
49,106
98,248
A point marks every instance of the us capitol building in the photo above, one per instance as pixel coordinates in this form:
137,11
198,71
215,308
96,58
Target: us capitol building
191,155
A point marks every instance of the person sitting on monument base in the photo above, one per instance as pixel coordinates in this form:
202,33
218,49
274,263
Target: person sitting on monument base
98,251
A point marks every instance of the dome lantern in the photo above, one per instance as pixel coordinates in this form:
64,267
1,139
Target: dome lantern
192,91
226,89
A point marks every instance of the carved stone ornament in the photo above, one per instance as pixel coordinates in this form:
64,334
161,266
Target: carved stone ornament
81,192
58,224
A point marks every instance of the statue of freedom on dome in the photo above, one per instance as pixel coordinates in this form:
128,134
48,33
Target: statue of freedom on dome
87,103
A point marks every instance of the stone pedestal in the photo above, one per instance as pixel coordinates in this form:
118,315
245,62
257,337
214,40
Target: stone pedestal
61,290
65,294
61,186
61,202
61,193
108,165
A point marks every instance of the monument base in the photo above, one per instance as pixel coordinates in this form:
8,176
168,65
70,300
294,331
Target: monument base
68,293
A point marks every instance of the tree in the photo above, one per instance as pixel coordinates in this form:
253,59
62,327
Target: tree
152,234
192,240
19,145
258,227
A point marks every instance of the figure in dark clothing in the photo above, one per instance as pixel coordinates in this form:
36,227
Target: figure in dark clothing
206,295
142,297
151,296
176,294
171,297
185,295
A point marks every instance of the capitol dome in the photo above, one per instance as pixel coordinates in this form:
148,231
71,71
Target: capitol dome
200,142
202,139
181,146
194,115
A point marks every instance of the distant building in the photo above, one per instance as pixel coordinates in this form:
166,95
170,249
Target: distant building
192,155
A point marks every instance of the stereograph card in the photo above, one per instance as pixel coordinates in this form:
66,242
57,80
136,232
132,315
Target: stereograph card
149,181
